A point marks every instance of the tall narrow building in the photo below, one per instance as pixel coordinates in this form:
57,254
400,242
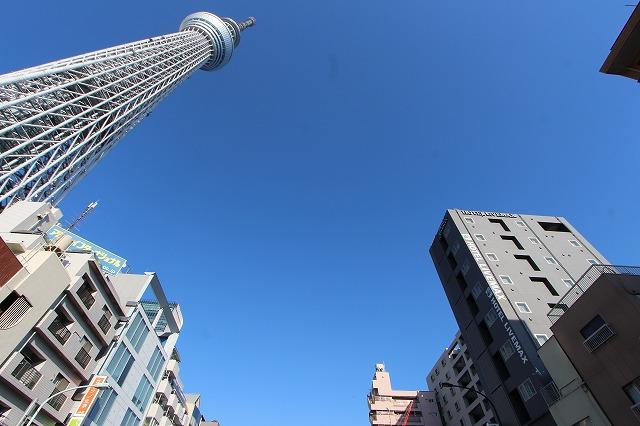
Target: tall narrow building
388,406
502,273
59,119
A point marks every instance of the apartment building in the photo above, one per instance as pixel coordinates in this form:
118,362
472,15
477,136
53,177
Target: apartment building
594,358
464,406
502,273
68,317
58,315
137,363
388,406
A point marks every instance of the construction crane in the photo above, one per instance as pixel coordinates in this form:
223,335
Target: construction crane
407,413
84,214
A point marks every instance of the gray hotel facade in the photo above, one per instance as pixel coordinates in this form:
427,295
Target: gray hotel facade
502,273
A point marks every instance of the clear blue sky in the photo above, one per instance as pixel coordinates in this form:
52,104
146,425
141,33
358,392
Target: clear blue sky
288,200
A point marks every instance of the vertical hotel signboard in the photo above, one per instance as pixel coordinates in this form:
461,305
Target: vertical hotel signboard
88,399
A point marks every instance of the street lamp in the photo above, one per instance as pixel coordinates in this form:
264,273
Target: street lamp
103,385
493,407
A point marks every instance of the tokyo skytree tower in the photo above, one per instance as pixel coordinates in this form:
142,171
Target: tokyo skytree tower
59,119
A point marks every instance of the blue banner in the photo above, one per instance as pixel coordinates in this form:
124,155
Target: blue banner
109,262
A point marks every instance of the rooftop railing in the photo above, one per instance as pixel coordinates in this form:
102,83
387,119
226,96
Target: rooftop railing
585,281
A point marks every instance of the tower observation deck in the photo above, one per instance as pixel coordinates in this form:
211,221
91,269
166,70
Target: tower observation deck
59,119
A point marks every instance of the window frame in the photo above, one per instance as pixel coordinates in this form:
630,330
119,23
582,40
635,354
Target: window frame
489,255
502,277
480,237
525,304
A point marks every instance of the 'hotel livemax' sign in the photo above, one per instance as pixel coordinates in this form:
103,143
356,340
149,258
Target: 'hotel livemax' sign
494,214
494,293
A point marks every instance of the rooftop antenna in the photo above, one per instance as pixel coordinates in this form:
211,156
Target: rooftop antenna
84,214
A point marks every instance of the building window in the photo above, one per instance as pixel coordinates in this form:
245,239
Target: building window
513,240
130,419
541,338
85,294
465,267
520,223
83,356
120,364
527,259
455,247
105,320
60,384
554,226
477,290
592,326
156,363
102,406
143,392
490,318
469,220
526,389
26,371
550,260
568,282
506,279
137,332
501,223
534,240
12,309
480,237
492,256
523,307
546,283
575,243
592,261
506,350
633,391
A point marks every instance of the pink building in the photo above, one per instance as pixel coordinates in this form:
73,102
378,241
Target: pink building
388,406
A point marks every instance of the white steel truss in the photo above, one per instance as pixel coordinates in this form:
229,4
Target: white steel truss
59,119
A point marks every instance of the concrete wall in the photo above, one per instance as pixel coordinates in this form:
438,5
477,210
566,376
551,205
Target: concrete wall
575,403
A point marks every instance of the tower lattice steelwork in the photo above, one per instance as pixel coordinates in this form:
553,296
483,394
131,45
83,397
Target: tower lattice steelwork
57,120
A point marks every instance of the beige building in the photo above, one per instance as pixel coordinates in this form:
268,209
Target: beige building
459,407
388,406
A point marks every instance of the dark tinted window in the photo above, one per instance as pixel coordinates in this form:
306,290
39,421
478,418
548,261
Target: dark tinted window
592,326
554,227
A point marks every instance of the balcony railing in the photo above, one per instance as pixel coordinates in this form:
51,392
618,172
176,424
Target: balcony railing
60,331
550,393
83,357
586,280
599,337
27,374
104,324
635,409
57,401
86,297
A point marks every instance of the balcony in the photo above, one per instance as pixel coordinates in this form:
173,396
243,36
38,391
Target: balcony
174,367
104,324
173,402
164,387
83,357
57,402
59,331
599,337
155,411
27,374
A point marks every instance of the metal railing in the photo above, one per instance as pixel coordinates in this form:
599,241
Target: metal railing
599,337
57,401
83,357
550,393
27,374
586,280
60,331
104,324
635,409
86,297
